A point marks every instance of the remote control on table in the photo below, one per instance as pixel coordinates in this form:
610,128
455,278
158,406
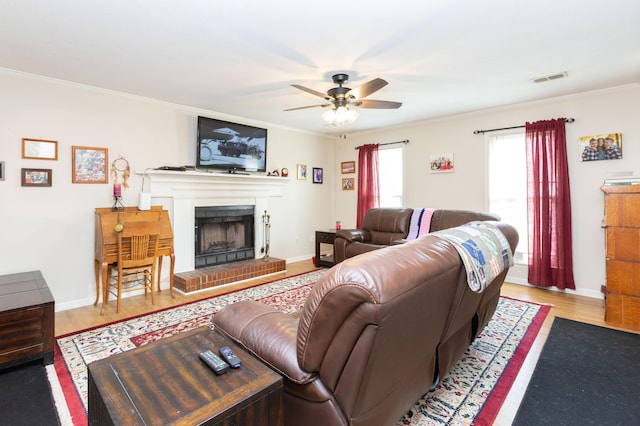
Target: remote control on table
231,358
214,362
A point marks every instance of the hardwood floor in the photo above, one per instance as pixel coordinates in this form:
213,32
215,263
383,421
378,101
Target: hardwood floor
569,306
73,320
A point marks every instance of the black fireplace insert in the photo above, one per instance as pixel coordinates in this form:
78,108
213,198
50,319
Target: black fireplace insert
223,234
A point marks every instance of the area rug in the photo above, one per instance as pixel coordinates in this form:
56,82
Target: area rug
593,372
472,393
26,398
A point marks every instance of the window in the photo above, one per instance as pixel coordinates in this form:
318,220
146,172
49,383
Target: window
390,170
508,185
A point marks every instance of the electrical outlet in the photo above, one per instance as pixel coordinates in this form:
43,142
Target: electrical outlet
312,238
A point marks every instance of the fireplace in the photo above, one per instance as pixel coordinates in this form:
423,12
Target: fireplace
223,234
181,192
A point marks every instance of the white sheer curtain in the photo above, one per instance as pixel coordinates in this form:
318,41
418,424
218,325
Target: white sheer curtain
508,185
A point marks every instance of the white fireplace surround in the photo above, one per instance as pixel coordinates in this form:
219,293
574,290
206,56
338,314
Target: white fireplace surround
181,192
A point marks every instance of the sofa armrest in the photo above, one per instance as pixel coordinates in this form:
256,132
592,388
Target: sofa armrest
265,332
354,235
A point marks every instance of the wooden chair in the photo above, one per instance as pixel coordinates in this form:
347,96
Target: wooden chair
136,265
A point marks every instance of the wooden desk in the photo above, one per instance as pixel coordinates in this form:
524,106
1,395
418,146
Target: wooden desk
26,319
166,383
106,247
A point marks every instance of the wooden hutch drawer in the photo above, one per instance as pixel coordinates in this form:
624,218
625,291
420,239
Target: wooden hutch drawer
622,208
623,277
623,311
623,244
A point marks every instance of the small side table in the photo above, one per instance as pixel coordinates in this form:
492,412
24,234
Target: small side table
325,236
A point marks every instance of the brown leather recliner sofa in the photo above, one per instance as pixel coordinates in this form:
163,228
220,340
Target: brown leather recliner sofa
374,334
384,226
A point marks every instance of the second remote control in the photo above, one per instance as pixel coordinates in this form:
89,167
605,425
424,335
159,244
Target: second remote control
230,356
214,362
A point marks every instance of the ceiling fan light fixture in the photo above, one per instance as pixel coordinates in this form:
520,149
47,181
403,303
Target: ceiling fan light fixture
340,98
328,116
339,116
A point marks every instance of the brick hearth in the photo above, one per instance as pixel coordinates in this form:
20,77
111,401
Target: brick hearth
204,278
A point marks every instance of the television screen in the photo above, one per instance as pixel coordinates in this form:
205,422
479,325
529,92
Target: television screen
231,146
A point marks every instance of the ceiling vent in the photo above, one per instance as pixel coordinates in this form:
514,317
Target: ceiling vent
550,77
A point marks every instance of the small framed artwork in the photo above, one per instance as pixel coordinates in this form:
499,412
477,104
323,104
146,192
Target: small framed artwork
39,149
348,167
89,164
36,177
347,184
301,172
600,147
441,163
317,175
1,170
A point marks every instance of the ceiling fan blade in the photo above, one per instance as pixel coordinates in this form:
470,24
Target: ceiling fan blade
310,106
377,104
313,92
367,88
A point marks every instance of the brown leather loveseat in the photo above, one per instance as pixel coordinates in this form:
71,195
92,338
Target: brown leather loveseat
374,334
385,226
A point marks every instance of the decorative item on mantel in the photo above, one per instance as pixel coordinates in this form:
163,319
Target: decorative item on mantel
144,200
121,165
266,227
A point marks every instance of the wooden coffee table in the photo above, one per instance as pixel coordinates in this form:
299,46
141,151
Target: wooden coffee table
165,382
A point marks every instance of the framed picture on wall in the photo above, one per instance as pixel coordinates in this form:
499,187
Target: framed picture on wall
39,149
36,177
317,175
441,163
348,167
606,146
301,172
347,184
89,164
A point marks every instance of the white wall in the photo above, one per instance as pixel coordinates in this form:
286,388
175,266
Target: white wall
613,110
52,229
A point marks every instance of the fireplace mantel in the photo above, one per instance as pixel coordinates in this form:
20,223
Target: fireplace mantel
190,184
181,192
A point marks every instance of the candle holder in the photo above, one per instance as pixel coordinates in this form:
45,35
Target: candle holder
117,204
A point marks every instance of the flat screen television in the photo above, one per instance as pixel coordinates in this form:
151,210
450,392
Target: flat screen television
230,146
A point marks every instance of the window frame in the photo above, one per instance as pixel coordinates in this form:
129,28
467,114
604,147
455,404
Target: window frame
522,250
402,174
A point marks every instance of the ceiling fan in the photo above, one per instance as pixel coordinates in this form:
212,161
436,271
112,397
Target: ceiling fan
341,98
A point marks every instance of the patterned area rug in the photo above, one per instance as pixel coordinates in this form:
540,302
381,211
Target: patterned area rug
472,393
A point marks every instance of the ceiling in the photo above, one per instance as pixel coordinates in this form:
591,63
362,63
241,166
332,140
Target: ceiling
440,57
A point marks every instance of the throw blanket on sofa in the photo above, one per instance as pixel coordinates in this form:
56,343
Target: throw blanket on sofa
484,250
420,223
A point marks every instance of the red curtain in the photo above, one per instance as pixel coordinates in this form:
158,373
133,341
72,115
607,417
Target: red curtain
368,180
549,205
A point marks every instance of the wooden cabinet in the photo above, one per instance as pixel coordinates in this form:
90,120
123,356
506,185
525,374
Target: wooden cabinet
622,238
26,319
